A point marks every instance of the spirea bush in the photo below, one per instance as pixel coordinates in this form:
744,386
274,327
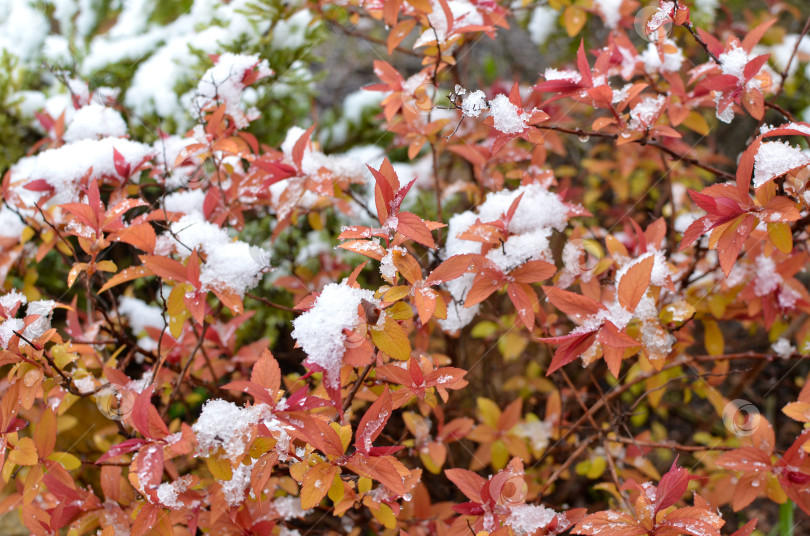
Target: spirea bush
454,297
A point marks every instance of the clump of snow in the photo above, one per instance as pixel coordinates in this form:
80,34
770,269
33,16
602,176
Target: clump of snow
168,492
85,384
224,83
783,348
64,167
225,425
527,519
564,74
507,117
95,121
464,14
8,328
610,11
185,201
38,327
733,61
289,508
319,331
140,315
644,114
672,61
775,158
542,24
23,28
537,214
11,301
139,385
473,103
536,432
234,489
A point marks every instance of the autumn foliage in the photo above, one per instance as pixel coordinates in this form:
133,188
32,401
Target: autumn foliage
541,308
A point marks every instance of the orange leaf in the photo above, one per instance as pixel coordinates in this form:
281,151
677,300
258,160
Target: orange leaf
367,248
316,484
164,267
414,228
452,268
373,422
635,282
266,373
572,304
45,433
127,274
399,32
407,266
141,235
533,271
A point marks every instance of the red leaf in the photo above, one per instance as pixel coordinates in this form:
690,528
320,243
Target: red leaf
122,448
570,350
300,147
671,487
373,422
533,272
122,167
164,267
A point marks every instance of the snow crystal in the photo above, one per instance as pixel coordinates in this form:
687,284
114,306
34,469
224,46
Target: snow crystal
140,315
224,83
8,328
319,331
775,158
542,24
783,348
611,11
225,425
508,118
529,518
95,121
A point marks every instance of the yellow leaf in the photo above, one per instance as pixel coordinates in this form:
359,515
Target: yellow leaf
781,236
75,271
396,293
696,122
106,266
66,460
489,411
597,468
713,337
391,339
25,453
345,433
400,311
500,454
798,411
317,482
573,19
385,516
364,484
336,491
220,468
